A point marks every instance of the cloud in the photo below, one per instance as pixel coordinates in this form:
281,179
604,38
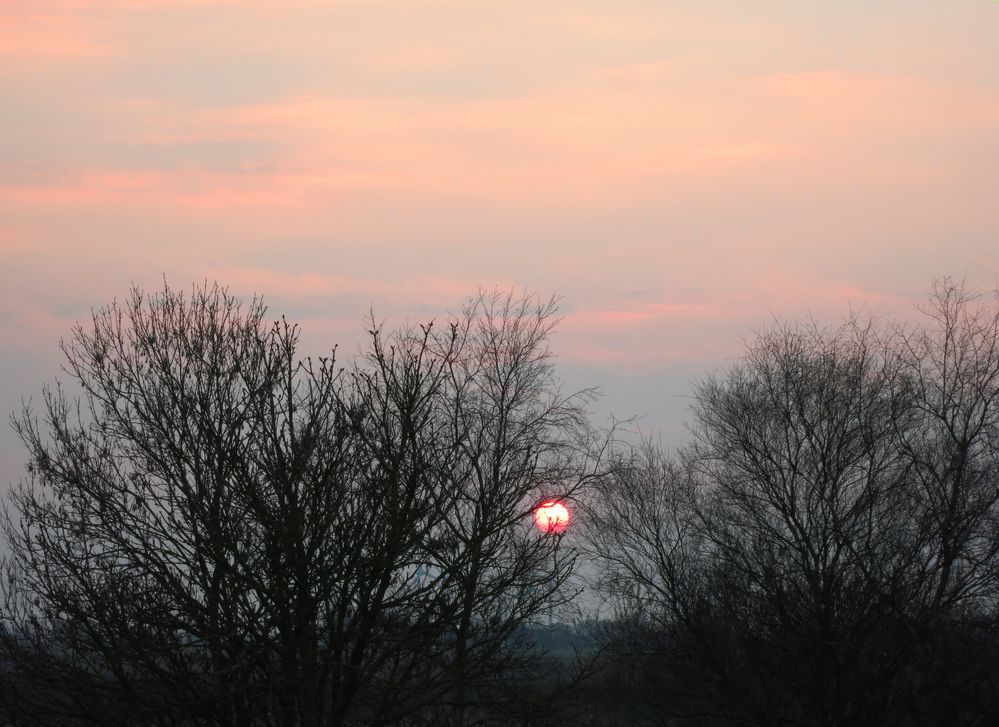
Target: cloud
289,285
834,99
34,36
637,314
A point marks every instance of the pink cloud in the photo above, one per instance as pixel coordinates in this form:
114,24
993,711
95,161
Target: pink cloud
442,292
641,336
33,33
27,323
190,189
637,314
831,99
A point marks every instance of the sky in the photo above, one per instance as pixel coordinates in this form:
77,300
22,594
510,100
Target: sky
680,173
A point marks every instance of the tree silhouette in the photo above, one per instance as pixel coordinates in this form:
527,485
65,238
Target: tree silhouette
216,532
830,534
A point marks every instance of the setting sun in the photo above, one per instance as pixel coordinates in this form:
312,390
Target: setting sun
551,516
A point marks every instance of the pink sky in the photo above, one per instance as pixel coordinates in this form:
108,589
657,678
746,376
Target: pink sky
677,171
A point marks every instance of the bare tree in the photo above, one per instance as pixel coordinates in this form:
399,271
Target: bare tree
521,440
805,560
953,368
214,532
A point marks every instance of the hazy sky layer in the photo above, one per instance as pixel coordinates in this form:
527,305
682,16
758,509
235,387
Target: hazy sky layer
678,172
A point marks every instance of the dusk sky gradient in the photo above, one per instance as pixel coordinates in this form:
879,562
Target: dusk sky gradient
679,172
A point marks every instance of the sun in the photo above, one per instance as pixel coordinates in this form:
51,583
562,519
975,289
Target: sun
551,516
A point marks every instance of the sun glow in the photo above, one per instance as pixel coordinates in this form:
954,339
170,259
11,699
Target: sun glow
551,516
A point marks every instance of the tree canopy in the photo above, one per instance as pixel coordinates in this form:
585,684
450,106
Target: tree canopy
214,531
827,548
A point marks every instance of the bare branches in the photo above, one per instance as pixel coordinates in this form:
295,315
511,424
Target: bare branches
832,525
217,532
